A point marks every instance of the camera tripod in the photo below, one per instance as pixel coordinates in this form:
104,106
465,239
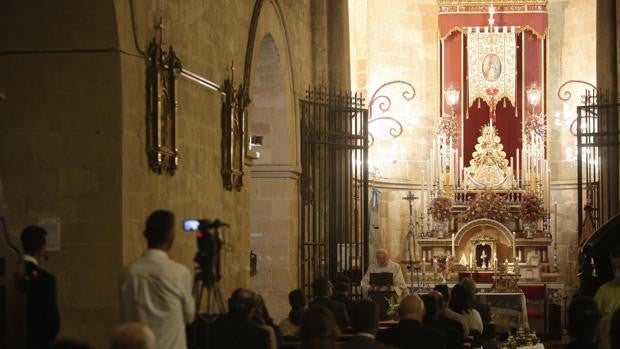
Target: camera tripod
214,295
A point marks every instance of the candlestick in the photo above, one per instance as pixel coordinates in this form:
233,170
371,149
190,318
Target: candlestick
471,260
514,244
423,271
453,244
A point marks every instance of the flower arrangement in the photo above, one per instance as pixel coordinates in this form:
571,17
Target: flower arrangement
487,205
448,127
522,338
393,306
531,207
441,208
535,124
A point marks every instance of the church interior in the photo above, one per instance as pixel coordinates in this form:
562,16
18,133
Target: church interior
460,138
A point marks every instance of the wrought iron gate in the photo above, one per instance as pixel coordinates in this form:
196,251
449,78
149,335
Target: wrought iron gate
597,160
334,187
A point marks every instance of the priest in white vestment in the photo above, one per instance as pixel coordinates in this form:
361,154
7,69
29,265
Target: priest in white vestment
384,265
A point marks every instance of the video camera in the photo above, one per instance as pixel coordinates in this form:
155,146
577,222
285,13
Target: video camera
209,245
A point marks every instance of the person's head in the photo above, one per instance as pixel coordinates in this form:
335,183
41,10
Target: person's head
583,318
297,300
133,336
460,299
318,329
34,241
159,230
431,306
342,285
68,344
470,286
364,317
243,302
615,262
383,257
615,330
322,287
445,293
411,308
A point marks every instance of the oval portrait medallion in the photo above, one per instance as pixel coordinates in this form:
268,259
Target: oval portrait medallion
491,67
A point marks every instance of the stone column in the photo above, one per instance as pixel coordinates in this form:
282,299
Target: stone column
339,66
607,82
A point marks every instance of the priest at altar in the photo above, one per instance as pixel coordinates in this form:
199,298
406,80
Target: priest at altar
384,265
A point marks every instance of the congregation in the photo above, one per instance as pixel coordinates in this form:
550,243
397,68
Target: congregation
157,305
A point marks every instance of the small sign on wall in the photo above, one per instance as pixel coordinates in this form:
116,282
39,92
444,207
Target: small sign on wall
52,226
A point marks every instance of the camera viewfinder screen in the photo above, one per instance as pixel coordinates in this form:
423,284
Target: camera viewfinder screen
191,225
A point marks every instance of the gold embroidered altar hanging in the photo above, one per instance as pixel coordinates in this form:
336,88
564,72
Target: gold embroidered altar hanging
491,65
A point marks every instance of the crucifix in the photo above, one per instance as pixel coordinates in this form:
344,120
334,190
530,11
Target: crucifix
411,255
483,258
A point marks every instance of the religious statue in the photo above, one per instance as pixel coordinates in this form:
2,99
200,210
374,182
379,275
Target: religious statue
488,167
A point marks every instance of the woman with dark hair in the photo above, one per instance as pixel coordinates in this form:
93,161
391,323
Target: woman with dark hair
461,302
263,319
318,329
289,326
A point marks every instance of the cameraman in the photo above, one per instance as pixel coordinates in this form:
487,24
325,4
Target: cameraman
156,290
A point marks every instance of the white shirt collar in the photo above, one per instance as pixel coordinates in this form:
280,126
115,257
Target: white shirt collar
31,259
366,334
153,252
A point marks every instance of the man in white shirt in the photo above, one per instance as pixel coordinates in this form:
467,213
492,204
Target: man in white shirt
385,265
156,290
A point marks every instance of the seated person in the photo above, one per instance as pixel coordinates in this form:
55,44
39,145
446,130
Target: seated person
410,332
289,326
461,303
483,309
365,322
384,265
447,315
454,337
318,329
342,291
235,329
133,335
323,289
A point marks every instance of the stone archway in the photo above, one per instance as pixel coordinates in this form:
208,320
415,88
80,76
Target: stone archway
484,227
273,176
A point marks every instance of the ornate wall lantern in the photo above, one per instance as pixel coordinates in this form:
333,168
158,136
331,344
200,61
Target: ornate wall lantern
234,106
163,68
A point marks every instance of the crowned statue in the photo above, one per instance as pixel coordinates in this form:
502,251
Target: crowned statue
489,168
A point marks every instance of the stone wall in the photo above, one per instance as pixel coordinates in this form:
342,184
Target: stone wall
72,139
572,36
60,148
397,42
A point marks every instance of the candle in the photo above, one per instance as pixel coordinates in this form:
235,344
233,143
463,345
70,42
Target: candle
512,168
453,244
471,259
514,245
518,169
555,228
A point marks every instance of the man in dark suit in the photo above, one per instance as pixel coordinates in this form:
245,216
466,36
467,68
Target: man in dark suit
43,320
235,329
365,321
342,292
409,333
454,338
323,289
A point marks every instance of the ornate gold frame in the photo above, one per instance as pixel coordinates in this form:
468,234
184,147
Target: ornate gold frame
161,142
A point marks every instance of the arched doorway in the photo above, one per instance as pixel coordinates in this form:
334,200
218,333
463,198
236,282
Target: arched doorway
273,176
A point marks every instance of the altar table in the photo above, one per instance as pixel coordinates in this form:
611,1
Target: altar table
508,309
